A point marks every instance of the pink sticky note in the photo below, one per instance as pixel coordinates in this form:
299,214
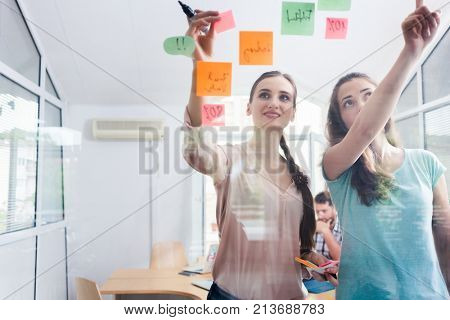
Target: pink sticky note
213,115
226,22
336,28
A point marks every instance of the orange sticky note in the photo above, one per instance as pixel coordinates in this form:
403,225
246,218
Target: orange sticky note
336,28
213,78
213,115
255,48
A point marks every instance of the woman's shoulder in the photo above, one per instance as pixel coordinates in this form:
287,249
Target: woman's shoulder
421,156
345,175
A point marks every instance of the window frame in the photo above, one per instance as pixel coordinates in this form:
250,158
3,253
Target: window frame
43,96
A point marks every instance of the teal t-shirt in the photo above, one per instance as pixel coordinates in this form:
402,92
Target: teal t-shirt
388,248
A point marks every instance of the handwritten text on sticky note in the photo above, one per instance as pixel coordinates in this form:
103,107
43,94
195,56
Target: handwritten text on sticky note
182,45
297,18
213,78
255,48
336,28
213,115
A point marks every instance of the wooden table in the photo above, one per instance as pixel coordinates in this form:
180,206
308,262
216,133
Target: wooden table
125,282
150,282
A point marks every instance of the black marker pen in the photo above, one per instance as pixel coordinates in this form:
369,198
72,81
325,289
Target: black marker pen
190,13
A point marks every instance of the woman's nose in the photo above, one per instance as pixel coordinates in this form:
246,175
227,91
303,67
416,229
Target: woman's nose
360,104
273,104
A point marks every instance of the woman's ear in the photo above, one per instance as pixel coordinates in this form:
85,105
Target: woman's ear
249,110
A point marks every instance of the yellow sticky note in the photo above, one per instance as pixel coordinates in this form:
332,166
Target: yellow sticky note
255,48
213,78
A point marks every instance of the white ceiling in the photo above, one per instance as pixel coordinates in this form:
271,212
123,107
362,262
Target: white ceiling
110,51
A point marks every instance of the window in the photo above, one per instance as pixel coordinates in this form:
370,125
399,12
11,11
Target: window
435,69
437,136
435,110
49,85
31,167
408,130
18,150
18,49
50,136
408,99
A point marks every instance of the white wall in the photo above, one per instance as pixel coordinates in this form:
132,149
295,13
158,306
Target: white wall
51,266
17,266
103,185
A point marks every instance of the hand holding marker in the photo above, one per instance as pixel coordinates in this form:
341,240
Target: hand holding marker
201,31
190,14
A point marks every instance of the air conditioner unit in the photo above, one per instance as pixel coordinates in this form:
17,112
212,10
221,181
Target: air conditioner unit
127,129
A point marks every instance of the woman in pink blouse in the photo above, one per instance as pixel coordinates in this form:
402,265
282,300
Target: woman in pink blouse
264,207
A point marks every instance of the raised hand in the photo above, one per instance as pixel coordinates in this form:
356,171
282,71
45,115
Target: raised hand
203,42
419,28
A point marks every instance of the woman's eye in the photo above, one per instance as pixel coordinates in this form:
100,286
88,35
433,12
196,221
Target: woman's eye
348,103
264,95
284,98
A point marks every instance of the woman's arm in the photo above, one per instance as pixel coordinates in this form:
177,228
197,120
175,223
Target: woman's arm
204,44
333,246
199,148
441,227
418,30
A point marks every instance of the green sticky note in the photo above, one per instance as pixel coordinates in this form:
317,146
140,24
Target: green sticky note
297,18
182,45
334,5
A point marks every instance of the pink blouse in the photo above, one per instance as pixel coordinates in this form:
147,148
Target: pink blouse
258,223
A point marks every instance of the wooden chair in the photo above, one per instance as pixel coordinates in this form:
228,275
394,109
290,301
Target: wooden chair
87,289
168,255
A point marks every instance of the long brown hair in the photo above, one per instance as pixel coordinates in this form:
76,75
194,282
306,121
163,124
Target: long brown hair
368,178
301,181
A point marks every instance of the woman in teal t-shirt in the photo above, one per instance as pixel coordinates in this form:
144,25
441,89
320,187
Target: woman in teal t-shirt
386,196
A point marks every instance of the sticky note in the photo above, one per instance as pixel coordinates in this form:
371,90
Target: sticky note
297,18
334,5
213,78
336,28
182,45
213,115
225,23
255,48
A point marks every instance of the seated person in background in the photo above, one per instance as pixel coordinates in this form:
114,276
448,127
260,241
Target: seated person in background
328,237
